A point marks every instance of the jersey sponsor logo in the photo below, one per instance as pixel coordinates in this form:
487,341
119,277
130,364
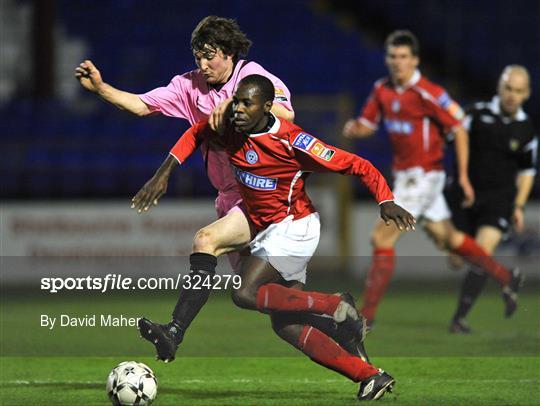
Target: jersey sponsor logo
446,102
322,152
280,95
251,157
400,127
514,144
455,111
254,181
304,141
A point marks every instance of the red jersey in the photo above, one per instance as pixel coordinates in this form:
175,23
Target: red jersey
271,168
416,116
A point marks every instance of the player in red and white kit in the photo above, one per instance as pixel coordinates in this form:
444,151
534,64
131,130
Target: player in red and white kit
417,114
218,46
271,159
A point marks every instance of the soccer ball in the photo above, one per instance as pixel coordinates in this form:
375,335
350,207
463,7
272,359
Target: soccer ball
131,383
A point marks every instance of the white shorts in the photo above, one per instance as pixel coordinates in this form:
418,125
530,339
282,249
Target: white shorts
421,193
289,245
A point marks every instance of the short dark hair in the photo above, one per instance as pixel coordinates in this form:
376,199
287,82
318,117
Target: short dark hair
403,38
265,86
222,33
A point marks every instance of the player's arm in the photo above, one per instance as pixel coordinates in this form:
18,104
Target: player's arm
367,123
461,146
316,156
525,181
449,115
354,128
156,187
90,78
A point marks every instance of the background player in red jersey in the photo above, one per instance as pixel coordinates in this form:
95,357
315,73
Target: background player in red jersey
417,113
271,159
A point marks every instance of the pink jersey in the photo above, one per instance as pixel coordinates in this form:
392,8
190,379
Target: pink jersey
271,168
189,96
416,116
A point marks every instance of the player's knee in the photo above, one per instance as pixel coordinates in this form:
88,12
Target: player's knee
378,240
454,239
245,298
204,241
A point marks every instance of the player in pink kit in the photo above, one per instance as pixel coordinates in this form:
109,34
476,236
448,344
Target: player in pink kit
271,159
417,114
204,93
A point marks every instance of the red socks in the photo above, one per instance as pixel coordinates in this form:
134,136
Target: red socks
279,298
379,276
326,352
476,255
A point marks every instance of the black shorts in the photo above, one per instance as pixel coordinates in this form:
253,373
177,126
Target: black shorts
490,208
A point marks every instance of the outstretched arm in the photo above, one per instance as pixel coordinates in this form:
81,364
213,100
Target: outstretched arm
314,155
156,187
355,129
90,78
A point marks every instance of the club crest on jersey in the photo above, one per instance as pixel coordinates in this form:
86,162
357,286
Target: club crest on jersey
254,181
322,152
514,144
396,106
304,141
251,157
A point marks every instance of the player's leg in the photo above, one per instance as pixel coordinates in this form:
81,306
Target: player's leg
488,238
412,190
257,275
264,288
224,235
465,246
383,240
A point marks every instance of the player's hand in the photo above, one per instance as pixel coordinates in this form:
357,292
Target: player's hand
150,194
517,219
401,217
220,115
350,129
89,76
468,192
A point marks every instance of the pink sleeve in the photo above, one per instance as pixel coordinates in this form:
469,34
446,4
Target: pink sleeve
171,100
282,95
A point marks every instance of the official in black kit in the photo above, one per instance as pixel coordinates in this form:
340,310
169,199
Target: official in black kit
503,160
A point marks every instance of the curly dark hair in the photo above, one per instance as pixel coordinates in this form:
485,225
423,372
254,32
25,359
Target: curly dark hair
403,38
222,33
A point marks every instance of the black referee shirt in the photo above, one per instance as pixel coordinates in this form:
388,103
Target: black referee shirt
500,147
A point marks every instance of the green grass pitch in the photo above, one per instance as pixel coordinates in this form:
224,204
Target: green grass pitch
231,356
